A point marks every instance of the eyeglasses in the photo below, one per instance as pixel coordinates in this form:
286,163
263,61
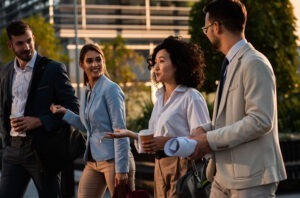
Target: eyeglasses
205,28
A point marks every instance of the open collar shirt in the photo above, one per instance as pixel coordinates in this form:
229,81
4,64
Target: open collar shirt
20,85
184,111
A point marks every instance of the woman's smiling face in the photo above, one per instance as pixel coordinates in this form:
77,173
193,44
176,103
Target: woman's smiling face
93,64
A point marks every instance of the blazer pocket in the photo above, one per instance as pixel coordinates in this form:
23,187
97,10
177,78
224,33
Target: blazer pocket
245,166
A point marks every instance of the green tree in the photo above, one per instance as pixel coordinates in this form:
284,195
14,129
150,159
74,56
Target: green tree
122,64
271,30
120,61
46,43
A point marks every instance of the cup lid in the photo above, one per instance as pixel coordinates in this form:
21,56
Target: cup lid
16,115
146,132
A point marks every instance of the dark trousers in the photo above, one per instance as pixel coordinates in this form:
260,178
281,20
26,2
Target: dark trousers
19,165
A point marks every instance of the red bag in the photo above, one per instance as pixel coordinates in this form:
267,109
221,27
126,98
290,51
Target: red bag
123,191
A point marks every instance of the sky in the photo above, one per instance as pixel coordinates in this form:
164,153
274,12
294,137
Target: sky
296,5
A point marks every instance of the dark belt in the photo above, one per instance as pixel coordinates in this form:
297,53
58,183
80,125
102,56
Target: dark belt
160,154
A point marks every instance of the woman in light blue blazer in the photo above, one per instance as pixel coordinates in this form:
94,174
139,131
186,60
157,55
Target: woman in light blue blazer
102,109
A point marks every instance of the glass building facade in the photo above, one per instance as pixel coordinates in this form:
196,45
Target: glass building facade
142,23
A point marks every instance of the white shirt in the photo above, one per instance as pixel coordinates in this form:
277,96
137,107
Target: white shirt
184,111
20,85
234,50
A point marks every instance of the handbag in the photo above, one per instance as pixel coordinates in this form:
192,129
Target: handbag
194,183
124,191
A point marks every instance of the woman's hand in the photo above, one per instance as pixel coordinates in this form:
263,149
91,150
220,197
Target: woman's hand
58,109
121,133
156,144
121,178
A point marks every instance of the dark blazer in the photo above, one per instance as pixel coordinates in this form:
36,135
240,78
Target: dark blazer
49,84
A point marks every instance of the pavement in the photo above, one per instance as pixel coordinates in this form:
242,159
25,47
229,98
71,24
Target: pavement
32,193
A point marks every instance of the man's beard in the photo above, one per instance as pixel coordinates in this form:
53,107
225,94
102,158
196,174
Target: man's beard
216,44
25,56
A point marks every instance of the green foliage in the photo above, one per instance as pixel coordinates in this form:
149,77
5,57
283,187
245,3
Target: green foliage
271,30
121,63
120,60
142,121
47,44
213,59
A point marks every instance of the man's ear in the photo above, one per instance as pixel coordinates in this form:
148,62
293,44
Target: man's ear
219,29
9,44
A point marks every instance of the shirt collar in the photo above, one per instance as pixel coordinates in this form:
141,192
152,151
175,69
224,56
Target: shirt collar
235,48
29,64
179,88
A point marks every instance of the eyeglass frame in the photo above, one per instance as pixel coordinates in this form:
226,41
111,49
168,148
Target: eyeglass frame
205,28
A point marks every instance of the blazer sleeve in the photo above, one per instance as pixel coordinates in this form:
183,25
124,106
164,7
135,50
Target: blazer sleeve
74,120
4,109
116,108
259,94
64,94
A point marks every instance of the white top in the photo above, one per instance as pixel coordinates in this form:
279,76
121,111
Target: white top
184,111
20,84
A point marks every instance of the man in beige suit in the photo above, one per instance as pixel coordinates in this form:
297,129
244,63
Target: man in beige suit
244,135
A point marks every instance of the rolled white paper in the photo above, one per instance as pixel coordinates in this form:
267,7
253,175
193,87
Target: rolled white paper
180,146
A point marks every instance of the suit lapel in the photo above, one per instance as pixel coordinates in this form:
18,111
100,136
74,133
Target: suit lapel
85,106
10,81
8,90
232,67
39,67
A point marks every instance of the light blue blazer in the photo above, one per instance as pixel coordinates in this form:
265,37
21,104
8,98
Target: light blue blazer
104,112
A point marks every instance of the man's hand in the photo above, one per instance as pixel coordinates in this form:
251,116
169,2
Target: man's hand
202,147
23,124
198,131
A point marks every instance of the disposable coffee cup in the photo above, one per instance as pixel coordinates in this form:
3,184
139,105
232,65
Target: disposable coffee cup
146,135
16,115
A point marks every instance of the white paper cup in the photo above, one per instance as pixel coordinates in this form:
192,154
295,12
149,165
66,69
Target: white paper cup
16,115
146,135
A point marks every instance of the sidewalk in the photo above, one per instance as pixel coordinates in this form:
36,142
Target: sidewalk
32,193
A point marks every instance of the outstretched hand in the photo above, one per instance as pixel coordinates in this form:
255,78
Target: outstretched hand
57,109
121,133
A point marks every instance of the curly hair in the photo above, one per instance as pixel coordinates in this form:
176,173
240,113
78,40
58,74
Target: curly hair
187,58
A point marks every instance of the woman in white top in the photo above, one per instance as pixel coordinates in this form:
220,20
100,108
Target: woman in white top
179,108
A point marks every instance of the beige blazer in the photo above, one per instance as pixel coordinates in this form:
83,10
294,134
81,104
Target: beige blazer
245,132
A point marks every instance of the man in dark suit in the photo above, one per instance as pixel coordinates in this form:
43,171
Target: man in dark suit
28,86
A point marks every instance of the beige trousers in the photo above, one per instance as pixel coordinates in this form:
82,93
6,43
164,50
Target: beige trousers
263,191
166,173
98,176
